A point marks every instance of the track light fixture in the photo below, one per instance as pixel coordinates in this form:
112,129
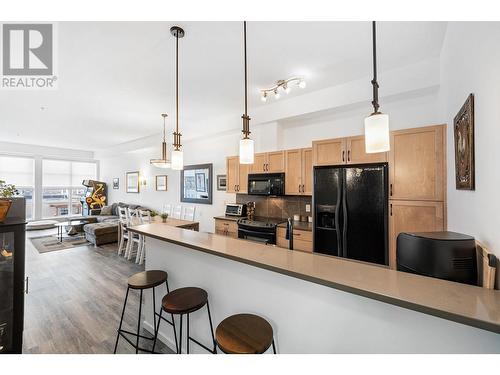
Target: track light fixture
284,85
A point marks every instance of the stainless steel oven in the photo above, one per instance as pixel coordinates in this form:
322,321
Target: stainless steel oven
266,184
261,230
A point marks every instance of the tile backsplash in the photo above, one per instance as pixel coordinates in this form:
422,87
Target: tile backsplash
279,207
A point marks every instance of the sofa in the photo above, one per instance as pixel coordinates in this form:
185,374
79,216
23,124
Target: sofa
106,226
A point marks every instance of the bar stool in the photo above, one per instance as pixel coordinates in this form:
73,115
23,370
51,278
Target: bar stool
141,281
185,301
244,334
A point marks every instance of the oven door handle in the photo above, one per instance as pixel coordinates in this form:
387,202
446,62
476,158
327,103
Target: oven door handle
255,233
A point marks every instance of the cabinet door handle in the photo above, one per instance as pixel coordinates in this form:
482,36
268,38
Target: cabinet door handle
27,285
391,208
267,167
343,156
390,190
348,155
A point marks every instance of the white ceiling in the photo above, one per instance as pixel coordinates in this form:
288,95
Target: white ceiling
115,78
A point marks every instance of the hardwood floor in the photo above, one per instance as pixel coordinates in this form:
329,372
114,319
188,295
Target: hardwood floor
75,300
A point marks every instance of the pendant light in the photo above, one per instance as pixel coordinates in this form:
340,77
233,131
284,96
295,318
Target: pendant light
377,124
177,153
246,144
164,162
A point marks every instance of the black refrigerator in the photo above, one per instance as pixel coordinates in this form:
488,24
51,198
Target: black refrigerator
350,212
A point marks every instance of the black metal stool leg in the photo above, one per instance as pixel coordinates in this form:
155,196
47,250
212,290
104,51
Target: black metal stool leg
121,321
187,344
180,338
154,310
211,329
138,325
274,347
157,329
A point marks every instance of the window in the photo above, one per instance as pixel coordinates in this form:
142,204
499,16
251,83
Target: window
62,186
20,172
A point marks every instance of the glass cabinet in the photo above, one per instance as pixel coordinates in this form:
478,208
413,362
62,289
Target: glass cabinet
12,254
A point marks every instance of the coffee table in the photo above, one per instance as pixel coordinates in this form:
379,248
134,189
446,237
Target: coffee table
76,224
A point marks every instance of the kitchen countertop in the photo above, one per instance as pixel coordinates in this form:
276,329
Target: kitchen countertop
299,225
230,218
466,304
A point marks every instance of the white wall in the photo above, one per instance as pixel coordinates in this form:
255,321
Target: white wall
470,63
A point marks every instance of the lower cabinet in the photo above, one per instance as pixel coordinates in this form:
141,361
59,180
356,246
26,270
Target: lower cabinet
227,228
413,216
302,239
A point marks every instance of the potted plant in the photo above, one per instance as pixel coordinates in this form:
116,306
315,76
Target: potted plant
164,217
7,191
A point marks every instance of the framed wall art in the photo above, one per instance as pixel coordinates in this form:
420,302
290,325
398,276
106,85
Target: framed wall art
196,184
221,182
463,129
116,183
161,183
132,182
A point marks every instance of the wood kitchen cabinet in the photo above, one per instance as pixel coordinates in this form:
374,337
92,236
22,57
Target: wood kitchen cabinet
268,162
417,165
329,151
298,171
350,150
302,239
413,216
237,175
227,228
355,152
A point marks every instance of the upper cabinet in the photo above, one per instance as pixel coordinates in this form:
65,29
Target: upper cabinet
417,164
298,171
355,152
268,162
237,175
329,151
350,150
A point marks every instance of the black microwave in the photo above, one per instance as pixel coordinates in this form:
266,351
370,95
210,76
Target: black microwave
266,184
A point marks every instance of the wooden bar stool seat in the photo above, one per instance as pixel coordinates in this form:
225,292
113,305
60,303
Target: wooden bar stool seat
142,281
244,334
147,279
184,301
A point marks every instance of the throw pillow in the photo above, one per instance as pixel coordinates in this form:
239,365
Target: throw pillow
107,211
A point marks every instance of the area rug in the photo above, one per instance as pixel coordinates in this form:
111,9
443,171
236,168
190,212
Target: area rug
45,244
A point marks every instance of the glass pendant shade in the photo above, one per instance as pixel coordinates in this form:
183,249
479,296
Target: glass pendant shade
377,137
163,162
246,151
177,160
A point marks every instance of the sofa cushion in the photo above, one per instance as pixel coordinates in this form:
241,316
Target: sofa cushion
114,209
106,211
106,218
97,229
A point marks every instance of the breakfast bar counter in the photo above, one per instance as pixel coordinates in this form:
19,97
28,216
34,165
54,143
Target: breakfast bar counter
323,304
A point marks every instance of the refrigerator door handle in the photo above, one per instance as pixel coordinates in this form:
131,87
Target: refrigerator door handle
344,211
337,221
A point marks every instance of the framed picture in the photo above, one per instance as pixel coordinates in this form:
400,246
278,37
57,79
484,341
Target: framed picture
196,184
161,183
132,182
116,183
221,182
463,128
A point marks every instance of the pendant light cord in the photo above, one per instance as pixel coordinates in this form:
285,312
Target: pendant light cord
245,54
374,81
177,82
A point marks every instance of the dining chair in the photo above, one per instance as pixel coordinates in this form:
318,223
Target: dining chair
144,217
177,213
167,209
133,238
124,235
189,213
